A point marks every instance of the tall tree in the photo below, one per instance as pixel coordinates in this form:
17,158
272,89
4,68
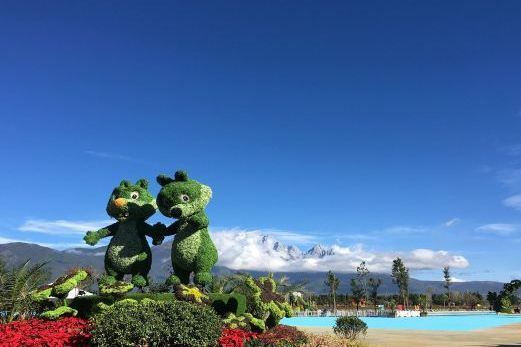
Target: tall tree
357,292
361,276
400,276
373,285
332,282
447,282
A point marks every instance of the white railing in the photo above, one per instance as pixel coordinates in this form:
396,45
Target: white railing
339,313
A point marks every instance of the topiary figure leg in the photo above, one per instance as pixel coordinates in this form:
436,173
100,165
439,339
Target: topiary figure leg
179,276
110,277
203,278
139,281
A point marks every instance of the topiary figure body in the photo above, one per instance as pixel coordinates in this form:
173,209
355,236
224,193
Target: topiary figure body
128,251
192,249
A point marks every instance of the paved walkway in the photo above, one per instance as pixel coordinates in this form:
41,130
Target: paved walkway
506,336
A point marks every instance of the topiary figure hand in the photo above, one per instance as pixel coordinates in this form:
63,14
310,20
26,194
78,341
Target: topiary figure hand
91,238
142,256
158,240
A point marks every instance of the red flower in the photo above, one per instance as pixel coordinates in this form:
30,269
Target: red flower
235,337
36,332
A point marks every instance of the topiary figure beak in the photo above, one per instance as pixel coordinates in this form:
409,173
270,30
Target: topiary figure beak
119,203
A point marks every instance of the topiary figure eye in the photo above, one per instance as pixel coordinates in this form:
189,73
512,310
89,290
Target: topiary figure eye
134,195
184,197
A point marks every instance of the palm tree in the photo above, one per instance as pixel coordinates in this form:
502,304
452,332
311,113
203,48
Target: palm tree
16,286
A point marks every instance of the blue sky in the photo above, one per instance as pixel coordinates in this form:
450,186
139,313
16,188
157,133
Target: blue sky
382,126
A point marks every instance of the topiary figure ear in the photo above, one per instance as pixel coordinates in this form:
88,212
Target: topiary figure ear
163,180
143,183
125,183
181,175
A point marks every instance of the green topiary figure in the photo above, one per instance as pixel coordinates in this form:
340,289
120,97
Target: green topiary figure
192,248
59,289
128,251
265,307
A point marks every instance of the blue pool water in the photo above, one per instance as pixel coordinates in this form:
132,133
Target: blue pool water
451,323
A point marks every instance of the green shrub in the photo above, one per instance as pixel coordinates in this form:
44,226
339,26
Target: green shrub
224,304
350,327
506,305
87,305
157,323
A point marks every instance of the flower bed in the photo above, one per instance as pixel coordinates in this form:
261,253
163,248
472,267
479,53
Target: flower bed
235,337
36,332
282,335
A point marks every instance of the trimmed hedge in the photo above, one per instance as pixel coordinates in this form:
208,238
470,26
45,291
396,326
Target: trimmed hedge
87,305
224,304
157,323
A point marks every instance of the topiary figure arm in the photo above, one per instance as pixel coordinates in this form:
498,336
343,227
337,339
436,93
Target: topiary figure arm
92,237
195,222
198,221
157,232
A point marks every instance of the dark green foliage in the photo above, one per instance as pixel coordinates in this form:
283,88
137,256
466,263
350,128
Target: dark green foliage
87,305
156,323
128,251
192,249
228,303
350,327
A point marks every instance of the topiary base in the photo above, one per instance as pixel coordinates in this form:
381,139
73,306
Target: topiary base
87,306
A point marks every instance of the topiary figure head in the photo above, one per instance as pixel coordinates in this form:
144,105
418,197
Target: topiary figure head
131,201
181,197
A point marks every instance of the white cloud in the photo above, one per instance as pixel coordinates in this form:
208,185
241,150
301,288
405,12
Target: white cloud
499,229
452,222
510,177
251,250
62,227
513,201
114,156
404,230
457,280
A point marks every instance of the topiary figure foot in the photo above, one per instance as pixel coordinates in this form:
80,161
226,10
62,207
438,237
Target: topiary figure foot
203,278
139,281
106,280
61,311
173,280
119,287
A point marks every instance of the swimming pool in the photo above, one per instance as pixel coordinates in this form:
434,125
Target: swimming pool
449,323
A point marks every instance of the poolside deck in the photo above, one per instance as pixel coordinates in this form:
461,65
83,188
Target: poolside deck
505,336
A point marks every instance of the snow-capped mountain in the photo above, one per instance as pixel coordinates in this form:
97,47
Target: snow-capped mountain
319,251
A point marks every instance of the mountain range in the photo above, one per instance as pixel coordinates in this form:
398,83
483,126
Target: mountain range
60,260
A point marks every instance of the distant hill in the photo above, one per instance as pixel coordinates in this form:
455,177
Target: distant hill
59,261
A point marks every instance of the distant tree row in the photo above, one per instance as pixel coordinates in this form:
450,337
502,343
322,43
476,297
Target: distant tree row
364,289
